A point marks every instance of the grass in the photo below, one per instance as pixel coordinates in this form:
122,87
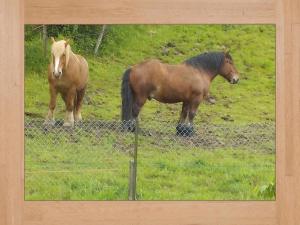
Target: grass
64,170
222,174
177,173
100,172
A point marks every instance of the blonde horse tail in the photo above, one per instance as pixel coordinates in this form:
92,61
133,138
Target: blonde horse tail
127,97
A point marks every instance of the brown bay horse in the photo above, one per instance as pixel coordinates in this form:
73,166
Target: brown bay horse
67,76
188,83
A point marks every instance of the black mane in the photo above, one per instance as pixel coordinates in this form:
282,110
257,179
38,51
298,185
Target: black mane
208,61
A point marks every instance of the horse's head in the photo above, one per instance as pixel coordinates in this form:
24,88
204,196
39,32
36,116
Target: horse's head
228,70
60,52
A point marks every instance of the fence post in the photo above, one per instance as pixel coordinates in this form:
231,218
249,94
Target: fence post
131,194
133,165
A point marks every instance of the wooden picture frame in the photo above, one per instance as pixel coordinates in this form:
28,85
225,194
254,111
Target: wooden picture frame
284,13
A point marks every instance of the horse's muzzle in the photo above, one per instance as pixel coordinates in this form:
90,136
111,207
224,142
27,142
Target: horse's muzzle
57,75
234,80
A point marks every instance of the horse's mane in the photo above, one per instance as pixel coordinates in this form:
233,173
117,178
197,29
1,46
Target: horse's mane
68,51
208,61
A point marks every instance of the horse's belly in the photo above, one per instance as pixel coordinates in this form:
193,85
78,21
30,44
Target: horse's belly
174,93
168,100
168,96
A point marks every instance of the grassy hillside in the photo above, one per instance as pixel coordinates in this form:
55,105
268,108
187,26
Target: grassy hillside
252,48
177,173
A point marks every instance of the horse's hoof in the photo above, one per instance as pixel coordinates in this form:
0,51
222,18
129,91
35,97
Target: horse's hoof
78,118
211,100
191,131
68,124
128,126
49,123
78,122
184,130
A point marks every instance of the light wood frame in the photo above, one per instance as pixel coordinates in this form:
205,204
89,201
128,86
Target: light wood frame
284,13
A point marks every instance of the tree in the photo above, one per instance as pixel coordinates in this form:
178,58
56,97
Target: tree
45,39
99,40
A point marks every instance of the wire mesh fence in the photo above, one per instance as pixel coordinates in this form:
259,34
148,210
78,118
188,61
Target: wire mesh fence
89,159
120,136
257,136
87,134
98,152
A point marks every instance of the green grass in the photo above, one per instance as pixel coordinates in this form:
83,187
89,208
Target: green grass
179,173
222,174
64,170
100,172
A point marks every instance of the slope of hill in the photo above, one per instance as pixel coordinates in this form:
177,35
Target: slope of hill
252,48
167,172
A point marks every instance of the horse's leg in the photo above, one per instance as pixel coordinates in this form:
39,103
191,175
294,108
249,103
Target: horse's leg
193,109
78,104
69,100
136,108
52,105
137,105
184,113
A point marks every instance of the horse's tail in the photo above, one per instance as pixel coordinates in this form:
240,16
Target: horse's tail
127,97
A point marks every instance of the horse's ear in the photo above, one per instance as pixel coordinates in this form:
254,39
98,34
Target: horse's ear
67,43
227,51
52,39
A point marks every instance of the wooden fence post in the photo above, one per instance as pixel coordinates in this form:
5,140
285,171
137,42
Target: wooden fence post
133,165
131,191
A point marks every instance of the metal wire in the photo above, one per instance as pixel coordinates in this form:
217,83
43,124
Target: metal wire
102,149
88,134
257,136
120,136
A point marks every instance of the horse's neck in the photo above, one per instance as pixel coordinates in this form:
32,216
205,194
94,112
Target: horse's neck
72,57
211,76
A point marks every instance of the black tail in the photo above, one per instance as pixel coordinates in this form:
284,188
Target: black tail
127,97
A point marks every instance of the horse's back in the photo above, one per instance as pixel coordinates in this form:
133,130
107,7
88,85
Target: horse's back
166,82
147,71
84,66
82,73
158,72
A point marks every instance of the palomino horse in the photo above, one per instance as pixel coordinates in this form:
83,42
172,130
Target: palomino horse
188,82
67,75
